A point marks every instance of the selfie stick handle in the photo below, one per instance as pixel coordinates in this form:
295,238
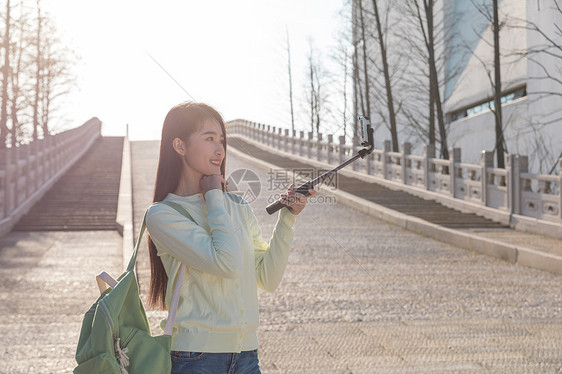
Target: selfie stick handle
303,189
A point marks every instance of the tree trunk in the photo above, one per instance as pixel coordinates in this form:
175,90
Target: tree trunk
365,70
38,74
428,4
429,19
498,90
431,109
18,55
290,84
389,101
345,94
357,93
312,92
5,80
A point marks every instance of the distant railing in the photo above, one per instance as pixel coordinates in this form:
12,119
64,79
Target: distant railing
28,171
500,193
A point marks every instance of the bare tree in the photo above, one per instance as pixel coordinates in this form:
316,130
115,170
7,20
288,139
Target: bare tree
424,15
56,80
5,79
35,73
550,45
366,105
316,93
290,82
38,72
387,83
498,90
17,99
342,55
492,17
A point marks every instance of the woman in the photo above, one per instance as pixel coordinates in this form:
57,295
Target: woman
227,258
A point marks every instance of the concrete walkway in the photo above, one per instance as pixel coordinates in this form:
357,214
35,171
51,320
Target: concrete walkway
364,296
48,283
425,217
359,296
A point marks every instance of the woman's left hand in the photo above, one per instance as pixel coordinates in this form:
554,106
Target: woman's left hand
295,201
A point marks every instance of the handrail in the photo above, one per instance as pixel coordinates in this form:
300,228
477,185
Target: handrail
28,171
496,193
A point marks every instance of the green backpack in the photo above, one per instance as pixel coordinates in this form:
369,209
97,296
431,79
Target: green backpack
115,335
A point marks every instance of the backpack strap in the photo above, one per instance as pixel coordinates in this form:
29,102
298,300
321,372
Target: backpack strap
179,280
180,209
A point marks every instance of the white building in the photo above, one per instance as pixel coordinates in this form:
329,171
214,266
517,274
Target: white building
532,109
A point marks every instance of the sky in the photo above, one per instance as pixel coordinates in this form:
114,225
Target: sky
229,54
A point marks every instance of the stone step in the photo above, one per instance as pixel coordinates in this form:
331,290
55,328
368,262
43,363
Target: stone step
85,198
400,201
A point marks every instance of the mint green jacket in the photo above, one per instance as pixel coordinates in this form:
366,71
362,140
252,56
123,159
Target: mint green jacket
227,259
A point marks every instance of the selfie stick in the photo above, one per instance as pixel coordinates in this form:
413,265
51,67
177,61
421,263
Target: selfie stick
367,141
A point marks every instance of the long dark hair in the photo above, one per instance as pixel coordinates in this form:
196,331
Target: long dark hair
181,121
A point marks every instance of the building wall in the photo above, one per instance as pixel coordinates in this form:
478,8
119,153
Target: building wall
532,124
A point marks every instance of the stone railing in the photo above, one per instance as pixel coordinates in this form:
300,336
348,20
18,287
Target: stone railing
511,195
28,171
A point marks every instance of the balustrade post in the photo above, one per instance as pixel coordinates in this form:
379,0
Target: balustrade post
330,141
5,181
385,150
406,151
30,177
319,147
286,140
40,162
454,158
486,161
428,153
27,176
279,137
309,144
342,149
50,158
268,135
560,188
301,141
354,165
293,142
510,168
35,183
57,153
50,151
16,162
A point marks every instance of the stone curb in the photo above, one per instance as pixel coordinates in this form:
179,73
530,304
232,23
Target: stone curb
124,218
471,241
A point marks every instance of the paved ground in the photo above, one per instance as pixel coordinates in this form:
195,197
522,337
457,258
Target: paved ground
359,296
48,283
362,296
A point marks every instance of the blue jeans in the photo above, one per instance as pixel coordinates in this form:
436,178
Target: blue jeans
245,362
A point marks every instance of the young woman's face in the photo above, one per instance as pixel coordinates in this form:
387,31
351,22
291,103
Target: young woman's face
205,149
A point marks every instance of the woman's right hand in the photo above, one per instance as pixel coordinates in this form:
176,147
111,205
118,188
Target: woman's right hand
210,182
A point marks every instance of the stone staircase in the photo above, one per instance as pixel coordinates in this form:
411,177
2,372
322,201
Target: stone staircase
400,201
85,198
